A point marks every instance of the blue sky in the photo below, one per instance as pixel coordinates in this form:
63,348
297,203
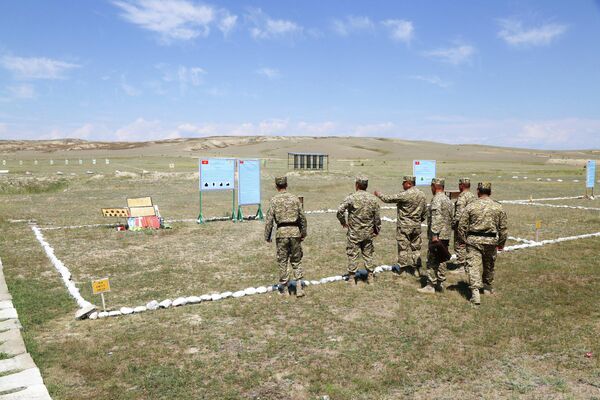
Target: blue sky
513,73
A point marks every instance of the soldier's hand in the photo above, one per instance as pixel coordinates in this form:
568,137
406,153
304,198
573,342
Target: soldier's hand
377,193
269,240
345,226
435,239
499,248
302,238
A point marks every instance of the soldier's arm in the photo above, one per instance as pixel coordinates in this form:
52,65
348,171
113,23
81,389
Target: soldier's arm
463,225
341,213
502,229
269,223
424,211
377,220
436,218
458,208
391,198
302,222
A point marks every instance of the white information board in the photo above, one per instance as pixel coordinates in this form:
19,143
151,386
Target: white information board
591,174
217,174
424,171
248,182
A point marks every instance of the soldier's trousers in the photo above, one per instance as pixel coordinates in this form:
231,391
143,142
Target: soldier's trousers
354,249
436,270
289,249
409,246
480,265
460,249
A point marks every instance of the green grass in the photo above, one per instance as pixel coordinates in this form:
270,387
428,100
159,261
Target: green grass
372,342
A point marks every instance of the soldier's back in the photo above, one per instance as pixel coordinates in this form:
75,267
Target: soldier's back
286,210
411,210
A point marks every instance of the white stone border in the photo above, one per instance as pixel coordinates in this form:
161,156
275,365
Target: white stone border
181,301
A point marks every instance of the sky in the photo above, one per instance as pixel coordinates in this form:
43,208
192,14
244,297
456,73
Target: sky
505,73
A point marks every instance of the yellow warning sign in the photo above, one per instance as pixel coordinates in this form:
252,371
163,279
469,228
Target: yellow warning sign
538,224
100,286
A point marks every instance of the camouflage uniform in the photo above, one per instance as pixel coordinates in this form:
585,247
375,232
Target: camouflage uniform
464,199
482,226
411,207
364,223
285,211
439,223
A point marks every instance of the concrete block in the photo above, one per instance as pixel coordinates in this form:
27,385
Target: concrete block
17,363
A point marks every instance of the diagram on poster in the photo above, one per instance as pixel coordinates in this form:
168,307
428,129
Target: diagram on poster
248,182
217,174
424,171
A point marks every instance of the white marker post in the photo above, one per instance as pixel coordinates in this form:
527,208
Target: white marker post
107,161
35,162
80,162
101,286
94,161
66,162
51,162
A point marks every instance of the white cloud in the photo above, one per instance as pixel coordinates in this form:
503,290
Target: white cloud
265,27
433,79
351,24
400,30
513,33
29,68
143,130
183,75
25,91
270,73
3,130
128,88
458,54
176,19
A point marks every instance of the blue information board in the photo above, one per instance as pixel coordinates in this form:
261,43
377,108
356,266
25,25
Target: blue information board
591,174
424,171
217,174
248,182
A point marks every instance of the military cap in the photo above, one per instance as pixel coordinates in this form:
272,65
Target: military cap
362,180
281,180
464,180
484,185
438,181
409,178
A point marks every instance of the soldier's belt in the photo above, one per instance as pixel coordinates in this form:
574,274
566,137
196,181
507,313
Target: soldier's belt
482,234
284,224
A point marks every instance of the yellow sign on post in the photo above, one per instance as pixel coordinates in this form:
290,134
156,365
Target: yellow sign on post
100,286
538,224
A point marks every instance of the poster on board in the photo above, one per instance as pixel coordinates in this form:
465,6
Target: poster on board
217,174
591,174
248,182
424,171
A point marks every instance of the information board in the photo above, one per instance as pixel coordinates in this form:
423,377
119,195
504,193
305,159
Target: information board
100,286
248,182
217,174
591,174
424,171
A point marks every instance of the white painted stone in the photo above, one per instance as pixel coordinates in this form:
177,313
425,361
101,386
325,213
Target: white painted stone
323,280
378,270
226,295
152,305
115,313
337,278
205,297
8,313
139,309
84,312
270,288
215,297
250,291
559,180
93,315
20,362
261,289
538,179
21,379
239,293
102,314
576,180
32,392
193,299
315,282
126,310
165,303
180,301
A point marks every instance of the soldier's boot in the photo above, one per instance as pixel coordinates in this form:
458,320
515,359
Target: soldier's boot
299,289
371,277
351,279
475,299
488,290
282,289
439,287
427,289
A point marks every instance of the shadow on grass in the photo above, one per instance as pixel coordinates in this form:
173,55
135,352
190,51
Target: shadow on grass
462,288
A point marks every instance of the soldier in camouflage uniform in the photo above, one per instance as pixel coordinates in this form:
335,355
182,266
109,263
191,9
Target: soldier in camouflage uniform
482,226
411,211
285,211
363,224
439,223
464,199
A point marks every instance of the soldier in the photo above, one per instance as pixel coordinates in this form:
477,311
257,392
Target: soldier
464,199
363,224
411,211
482,226
285,211
439,230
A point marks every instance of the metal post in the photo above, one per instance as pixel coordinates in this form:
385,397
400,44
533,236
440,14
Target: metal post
103,303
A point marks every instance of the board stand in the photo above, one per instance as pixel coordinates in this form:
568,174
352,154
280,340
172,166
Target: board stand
201,219
259,214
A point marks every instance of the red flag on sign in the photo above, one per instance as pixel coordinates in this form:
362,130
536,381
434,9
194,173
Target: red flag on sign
204,162
417,163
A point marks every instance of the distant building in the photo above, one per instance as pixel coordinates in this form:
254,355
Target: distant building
308,161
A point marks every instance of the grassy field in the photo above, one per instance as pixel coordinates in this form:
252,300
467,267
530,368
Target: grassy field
383,341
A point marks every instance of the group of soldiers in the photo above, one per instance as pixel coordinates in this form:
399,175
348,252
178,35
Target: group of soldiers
479,225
